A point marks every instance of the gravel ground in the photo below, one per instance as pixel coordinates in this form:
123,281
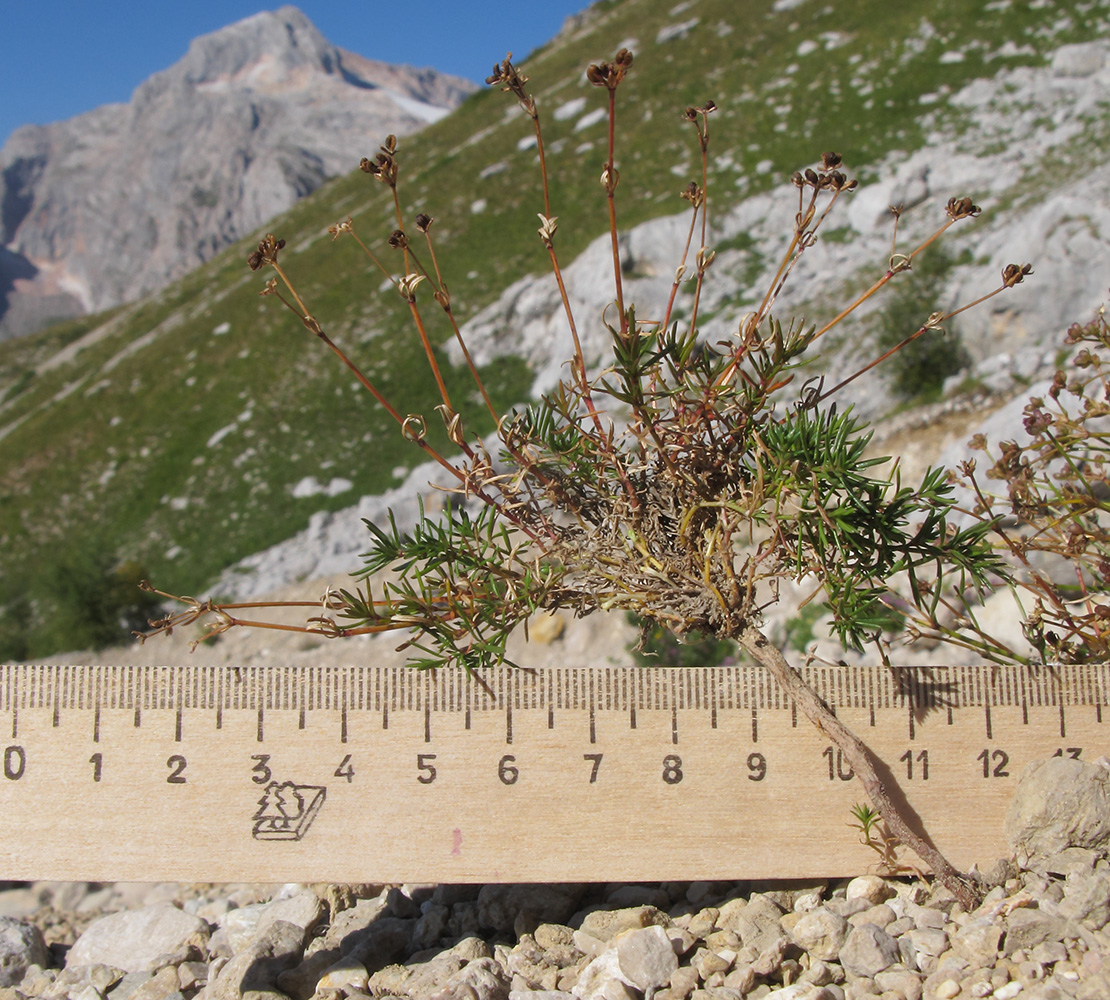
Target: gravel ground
1041,932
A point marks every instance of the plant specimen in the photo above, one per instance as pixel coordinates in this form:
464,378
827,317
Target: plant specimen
874,833
680,483
1046,498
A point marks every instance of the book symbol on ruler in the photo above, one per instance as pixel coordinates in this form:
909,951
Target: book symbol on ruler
287,810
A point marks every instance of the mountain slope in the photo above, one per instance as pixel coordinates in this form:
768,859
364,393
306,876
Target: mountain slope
110,205
204,424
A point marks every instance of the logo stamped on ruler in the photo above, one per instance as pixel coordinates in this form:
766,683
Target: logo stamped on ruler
286,810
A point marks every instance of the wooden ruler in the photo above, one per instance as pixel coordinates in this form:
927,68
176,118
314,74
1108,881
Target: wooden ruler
355,774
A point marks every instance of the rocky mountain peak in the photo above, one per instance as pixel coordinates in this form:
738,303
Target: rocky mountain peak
115,203
264,49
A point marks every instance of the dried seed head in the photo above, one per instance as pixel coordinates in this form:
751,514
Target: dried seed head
383,166
341,227
413,428
610,74
424,222
453,422
830,161
962,208
547,229
407,286
693,194
398,240
1012,274
510,78
266,253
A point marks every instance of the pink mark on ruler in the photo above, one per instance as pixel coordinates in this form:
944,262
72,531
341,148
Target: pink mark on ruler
456,842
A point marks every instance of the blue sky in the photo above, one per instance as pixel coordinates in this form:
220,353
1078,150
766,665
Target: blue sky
62,57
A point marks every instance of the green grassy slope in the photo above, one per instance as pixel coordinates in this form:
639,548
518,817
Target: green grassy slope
171,432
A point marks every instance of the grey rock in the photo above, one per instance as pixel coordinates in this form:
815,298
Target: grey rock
1060,803
366,931
501,906
589,945
928,916
401,904
256,969
821,932
899,926
1027,927
602,979
140,940
192,975
1048,952
770,958
77,979
423,977
822,973
353,922
382,942
704,922
345,975
481,979
880,915
238,926
1087,897
1083,59
304,909
300,981
646,957
549,936
682,983
430,925
707,962
848,907
933,941
131,982
1071,861
870,887
758,922
867,950
163,985
255,116
21,946
603,925
901,981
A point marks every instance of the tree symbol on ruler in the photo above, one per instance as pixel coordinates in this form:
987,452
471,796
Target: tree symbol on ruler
286,810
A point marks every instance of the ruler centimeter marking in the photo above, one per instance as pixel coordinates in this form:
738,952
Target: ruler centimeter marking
571,773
